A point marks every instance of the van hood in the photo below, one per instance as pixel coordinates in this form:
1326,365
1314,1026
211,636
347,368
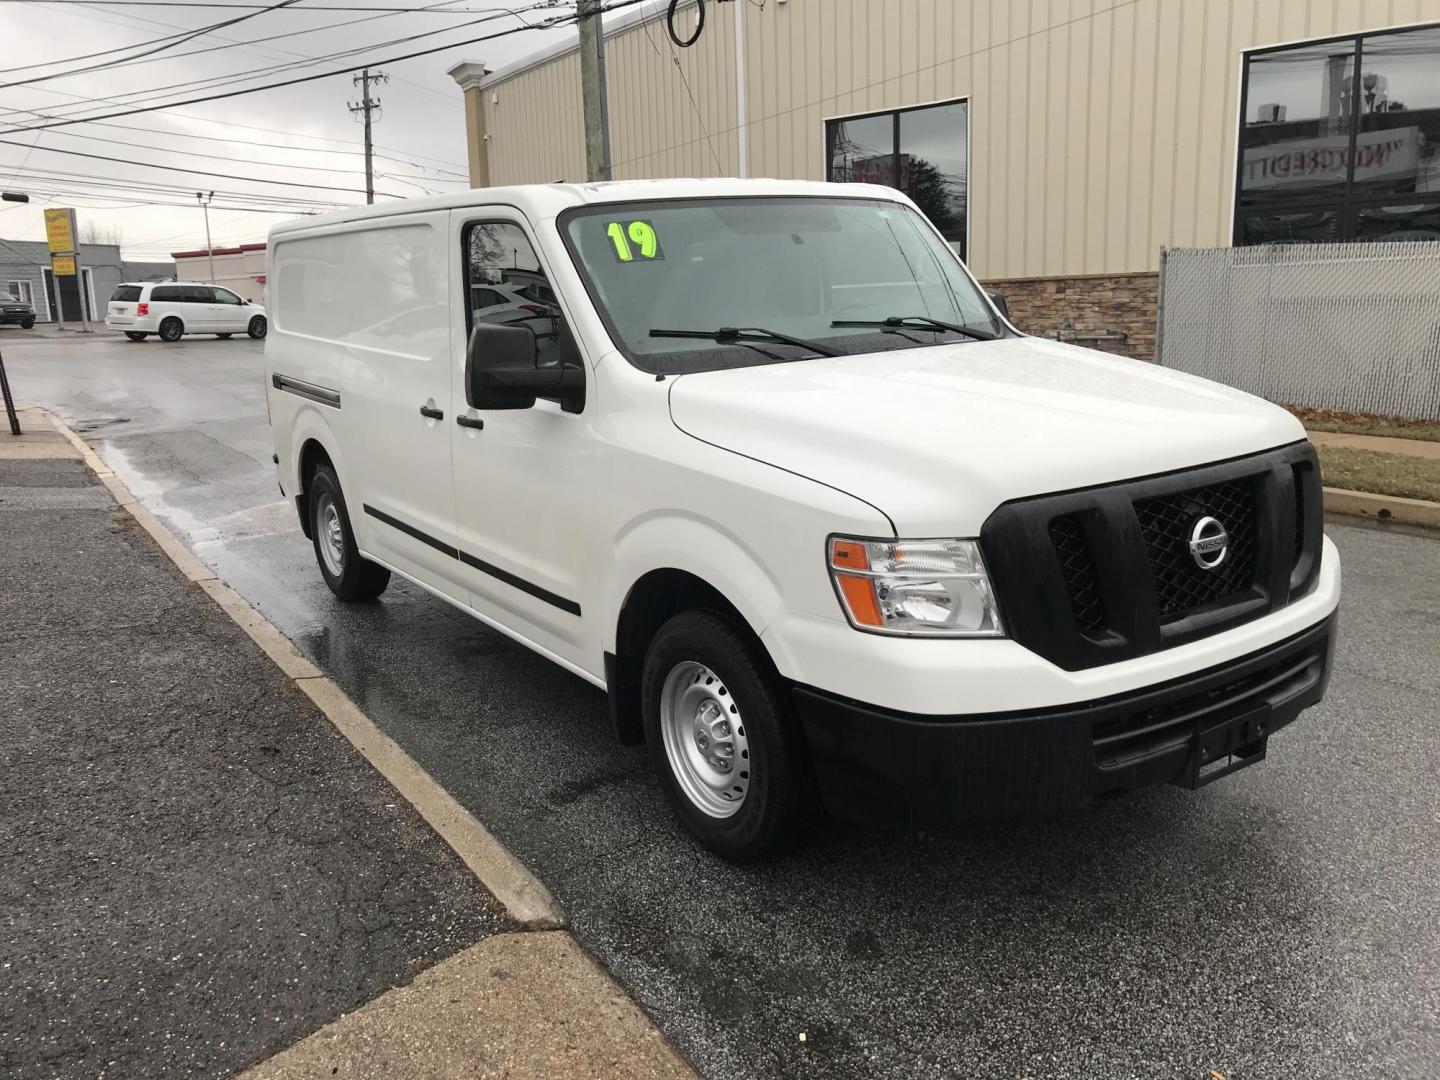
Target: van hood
937,437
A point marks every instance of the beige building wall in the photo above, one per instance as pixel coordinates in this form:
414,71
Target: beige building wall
1100,129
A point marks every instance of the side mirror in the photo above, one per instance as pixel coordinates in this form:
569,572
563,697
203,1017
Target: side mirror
998,299
502,372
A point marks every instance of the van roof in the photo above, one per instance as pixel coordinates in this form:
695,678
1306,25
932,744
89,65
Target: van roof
543,201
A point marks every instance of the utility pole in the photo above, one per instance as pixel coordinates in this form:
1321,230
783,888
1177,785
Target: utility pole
204,200
592,91
365,107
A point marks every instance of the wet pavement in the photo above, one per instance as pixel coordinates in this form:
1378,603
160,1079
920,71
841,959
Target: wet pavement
1279,923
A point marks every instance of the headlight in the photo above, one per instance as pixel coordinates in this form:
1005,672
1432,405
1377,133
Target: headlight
932,588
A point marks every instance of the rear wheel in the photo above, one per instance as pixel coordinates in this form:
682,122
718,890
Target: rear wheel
722,739
223,337
258,327
171,329
350,576
135,335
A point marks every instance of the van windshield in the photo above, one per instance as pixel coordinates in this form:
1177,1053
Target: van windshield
699,285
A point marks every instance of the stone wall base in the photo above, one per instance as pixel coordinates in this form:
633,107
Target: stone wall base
1092,305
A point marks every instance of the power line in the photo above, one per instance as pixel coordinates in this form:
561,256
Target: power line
193,172
301,59
161,46
67,122
252,161
213,48
134,19
254,7
148,95
118,189
391,155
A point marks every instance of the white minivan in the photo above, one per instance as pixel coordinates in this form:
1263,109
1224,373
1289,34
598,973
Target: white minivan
770,467
172,309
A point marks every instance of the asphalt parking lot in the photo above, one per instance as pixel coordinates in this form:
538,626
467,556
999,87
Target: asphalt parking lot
1277,924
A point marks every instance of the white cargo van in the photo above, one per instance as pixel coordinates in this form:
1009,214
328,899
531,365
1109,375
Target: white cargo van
764,462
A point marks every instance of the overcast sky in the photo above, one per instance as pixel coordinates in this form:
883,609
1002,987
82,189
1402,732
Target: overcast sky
421,132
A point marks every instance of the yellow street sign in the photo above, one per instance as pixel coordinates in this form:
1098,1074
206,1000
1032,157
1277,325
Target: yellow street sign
64,265
60,231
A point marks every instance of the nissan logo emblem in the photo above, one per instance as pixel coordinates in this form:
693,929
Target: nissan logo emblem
1209,543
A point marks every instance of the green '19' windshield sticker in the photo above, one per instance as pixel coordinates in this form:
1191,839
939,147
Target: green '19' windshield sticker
634,241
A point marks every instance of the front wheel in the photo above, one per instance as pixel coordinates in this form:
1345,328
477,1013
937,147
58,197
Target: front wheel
258,327
135,335
350,576
171,329
721,737
28,324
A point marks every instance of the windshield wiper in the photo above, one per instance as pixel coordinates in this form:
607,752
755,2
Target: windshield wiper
741,334
921,322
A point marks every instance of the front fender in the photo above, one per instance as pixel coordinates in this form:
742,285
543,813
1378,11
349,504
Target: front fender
700,546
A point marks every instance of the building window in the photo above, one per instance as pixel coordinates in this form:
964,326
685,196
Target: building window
1341,140
925,152
20,290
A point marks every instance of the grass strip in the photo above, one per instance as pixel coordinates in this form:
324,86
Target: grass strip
1383,474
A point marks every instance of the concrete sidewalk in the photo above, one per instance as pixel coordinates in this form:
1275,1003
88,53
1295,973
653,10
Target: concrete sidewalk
197,871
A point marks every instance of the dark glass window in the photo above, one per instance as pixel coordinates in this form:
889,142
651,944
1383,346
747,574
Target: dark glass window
225,296
126,294
923,152
169,293
199,294
502,268
1341,140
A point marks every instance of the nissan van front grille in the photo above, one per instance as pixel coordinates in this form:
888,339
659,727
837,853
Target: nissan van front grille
1107,573
1182,583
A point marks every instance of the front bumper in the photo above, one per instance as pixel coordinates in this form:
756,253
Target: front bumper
17,316
874,764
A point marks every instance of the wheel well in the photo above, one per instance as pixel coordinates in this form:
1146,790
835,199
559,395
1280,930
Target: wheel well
655,598
312,455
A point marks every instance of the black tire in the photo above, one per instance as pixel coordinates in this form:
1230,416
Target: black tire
28,324
779,804
352,577
135,335
223,337
172,329
258,328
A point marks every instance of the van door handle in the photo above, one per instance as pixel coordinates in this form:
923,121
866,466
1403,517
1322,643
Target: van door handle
470,421
433,414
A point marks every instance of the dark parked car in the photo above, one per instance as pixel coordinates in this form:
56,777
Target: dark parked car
15,310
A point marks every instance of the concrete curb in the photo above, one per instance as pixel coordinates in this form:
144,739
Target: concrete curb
1391,508
525,898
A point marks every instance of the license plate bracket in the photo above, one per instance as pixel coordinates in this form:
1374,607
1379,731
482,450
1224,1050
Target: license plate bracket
1227,747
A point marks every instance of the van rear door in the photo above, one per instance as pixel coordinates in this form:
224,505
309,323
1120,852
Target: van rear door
123,301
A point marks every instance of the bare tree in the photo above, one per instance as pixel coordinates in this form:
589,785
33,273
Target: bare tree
92,233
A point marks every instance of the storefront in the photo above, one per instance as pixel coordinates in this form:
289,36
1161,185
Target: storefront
1058,147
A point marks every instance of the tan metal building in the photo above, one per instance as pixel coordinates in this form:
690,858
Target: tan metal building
1059,145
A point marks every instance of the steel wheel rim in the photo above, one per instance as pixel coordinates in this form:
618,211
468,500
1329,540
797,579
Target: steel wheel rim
705,741
331,535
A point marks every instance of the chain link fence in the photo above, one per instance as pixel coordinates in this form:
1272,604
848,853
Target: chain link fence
1334,326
